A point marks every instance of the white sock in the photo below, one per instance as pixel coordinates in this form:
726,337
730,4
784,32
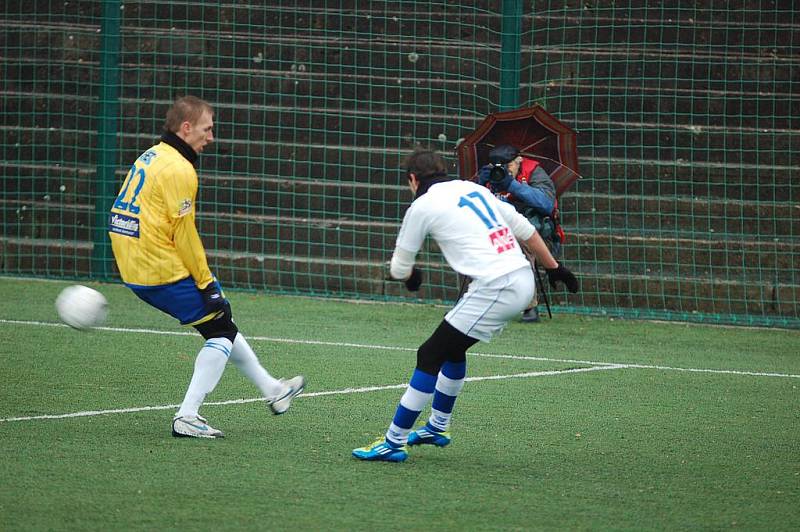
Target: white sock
247,362
208,368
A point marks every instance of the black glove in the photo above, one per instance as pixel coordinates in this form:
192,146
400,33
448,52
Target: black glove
560,273
212,298
414,281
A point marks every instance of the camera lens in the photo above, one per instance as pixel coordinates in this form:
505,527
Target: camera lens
497,173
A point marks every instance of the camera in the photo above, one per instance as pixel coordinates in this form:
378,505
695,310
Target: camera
499,157
498,173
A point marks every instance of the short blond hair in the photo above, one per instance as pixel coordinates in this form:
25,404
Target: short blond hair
186,109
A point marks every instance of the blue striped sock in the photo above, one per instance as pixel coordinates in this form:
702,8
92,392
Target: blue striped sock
415,398
448,386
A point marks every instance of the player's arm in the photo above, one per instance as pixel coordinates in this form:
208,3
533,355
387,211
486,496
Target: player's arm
191,251
526,233
536,245
401,264
409,241
401,268
180,195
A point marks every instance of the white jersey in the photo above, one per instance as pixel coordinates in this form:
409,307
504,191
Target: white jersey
477,233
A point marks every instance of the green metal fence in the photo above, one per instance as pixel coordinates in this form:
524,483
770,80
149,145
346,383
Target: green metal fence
688,207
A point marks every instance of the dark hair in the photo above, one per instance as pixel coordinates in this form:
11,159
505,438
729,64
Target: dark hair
426,164
185,109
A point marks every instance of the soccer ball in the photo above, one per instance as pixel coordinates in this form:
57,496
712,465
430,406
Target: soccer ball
81,307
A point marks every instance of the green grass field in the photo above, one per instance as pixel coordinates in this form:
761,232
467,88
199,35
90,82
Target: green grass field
574,424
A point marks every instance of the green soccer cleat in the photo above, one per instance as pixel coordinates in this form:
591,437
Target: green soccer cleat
426,436
380,450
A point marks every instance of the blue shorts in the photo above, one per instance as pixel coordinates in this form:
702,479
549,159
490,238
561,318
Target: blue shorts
181,300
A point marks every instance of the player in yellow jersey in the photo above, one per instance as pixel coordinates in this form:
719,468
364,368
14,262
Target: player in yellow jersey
161,258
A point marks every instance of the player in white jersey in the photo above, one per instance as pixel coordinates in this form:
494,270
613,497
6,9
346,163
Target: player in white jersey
479,237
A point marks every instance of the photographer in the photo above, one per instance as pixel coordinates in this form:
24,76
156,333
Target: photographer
526,185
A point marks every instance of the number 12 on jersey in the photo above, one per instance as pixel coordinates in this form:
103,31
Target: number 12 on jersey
500,237
123,224
130,205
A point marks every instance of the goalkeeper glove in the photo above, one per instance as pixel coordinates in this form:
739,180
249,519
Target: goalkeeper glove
414,281
212,298
560,273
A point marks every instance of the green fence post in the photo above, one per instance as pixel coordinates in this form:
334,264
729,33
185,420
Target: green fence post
510,39
107,113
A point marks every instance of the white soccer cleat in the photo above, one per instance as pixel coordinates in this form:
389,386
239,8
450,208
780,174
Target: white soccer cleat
194,427
293,387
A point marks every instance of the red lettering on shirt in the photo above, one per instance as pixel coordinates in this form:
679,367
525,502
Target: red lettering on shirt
502,240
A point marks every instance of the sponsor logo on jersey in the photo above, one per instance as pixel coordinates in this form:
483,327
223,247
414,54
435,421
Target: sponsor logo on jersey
147,156
502,239
185,208
123,225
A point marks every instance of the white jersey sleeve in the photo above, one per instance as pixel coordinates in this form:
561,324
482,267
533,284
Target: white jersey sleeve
402,263
409,241
414,228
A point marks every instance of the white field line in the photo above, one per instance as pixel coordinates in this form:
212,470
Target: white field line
595,366
344,391
414,349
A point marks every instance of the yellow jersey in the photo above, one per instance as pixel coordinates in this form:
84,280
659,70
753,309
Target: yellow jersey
152,222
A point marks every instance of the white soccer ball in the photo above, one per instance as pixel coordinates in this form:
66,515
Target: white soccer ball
81,307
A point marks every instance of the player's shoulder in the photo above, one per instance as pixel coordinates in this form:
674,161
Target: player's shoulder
440,199
168,159
436,197
461,187
454,186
